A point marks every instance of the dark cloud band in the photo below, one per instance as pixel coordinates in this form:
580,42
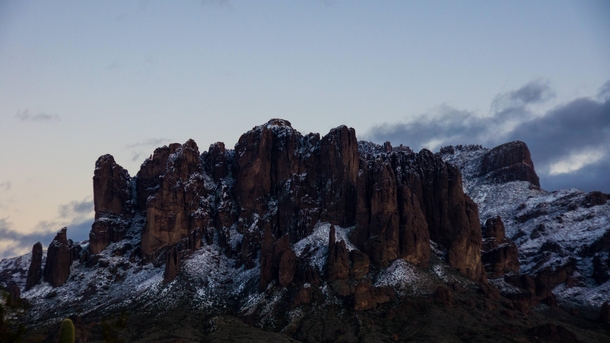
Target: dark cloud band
567,132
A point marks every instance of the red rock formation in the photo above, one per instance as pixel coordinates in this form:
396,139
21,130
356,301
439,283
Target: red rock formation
59,260
360,264
337,267
278,260
535,290
111,188
510,162
339,161
278,184
35,269
452,217
499,254
112,199
286,267
174,211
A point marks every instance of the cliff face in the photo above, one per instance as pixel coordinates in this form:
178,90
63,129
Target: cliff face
258,200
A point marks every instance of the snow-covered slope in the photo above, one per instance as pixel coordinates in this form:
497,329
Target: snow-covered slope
563,236
116,280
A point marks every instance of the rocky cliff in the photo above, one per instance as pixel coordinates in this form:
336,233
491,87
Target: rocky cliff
271,191
287,226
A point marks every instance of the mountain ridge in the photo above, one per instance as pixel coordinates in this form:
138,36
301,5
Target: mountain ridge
287,221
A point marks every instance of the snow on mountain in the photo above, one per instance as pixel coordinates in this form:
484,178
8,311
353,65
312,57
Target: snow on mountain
559,234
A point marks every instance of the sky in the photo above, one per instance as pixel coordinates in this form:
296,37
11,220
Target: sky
79,79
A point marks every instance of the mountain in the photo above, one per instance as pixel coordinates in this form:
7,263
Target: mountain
292,237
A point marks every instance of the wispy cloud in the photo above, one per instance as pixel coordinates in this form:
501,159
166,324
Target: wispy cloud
20,243
570,140
535,92
604,92
136,156
25,115
76,215
149,142
76,208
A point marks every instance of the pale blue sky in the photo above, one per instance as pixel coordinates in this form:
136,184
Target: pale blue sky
79,79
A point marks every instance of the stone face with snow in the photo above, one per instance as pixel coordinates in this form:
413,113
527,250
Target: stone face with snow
562,236
59,260
35,269
170,211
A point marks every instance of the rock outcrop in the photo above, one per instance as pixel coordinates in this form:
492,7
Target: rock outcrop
510,162
59,260
337,265
173,211
273,189
499,254
172,264
112,202
35,269
535,291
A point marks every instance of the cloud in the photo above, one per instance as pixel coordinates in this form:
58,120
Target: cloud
149,142
25,115
604,92
76,215
20,243
450,126
5,186
136,156
576,128
76,208
535,92
570,144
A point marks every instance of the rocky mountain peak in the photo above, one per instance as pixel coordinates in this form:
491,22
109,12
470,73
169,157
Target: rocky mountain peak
510,162
286,223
